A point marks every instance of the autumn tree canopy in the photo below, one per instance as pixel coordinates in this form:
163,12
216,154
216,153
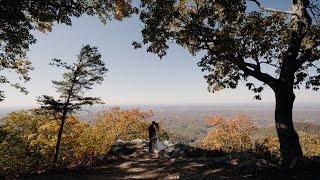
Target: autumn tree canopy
230,134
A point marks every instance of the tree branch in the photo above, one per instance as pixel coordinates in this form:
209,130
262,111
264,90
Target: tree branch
266,78
271,9
306,55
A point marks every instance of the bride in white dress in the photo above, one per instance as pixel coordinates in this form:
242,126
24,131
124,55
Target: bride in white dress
158,146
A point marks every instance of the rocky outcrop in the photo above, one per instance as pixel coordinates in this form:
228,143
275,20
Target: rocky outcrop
131,160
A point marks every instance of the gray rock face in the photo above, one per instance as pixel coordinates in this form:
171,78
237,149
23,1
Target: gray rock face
185,151
244,160
172,150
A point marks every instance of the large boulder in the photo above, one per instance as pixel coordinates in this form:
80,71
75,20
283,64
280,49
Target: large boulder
185,151
122,149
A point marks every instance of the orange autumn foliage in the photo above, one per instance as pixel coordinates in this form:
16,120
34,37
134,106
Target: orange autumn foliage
229,134
109,126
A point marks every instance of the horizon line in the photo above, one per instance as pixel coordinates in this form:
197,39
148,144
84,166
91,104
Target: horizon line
171,104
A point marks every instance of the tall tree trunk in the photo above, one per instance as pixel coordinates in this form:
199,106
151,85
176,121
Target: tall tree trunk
63,118
56,153
289,140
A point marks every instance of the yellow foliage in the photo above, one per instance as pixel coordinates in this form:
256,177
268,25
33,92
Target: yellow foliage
110,126
310,144
125,124
232,134
26,142
28,138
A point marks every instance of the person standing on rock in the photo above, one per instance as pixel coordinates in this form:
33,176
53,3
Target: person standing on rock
153,135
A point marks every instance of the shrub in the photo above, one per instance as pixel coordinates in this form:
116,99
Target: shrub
268,148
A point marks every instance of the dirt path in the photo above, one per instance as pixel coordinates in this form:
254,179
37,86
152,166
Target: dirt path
137,165
135,162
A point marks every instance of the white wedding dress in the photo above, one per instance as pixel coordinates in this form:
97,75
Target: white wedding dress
158,145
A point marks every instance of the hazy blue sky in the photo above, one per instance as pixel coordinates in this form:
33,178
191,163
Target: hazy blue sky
135,76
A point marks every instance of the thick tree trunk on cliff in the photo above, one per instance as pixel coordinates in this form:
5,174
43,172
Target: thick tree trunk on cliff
289,140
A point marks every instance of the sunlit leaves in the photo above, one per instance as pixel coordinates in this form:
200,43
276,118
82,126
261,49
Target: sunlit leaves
109,126
310,144
28,142
110,9
229,134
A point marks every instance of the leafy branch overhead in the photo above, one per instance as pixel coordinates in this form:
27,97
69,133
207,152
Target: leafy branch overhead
242,40
238,42
18,18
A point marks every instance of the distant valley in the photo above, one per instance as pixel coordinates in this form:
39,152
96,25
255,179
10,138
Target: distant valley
187,122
